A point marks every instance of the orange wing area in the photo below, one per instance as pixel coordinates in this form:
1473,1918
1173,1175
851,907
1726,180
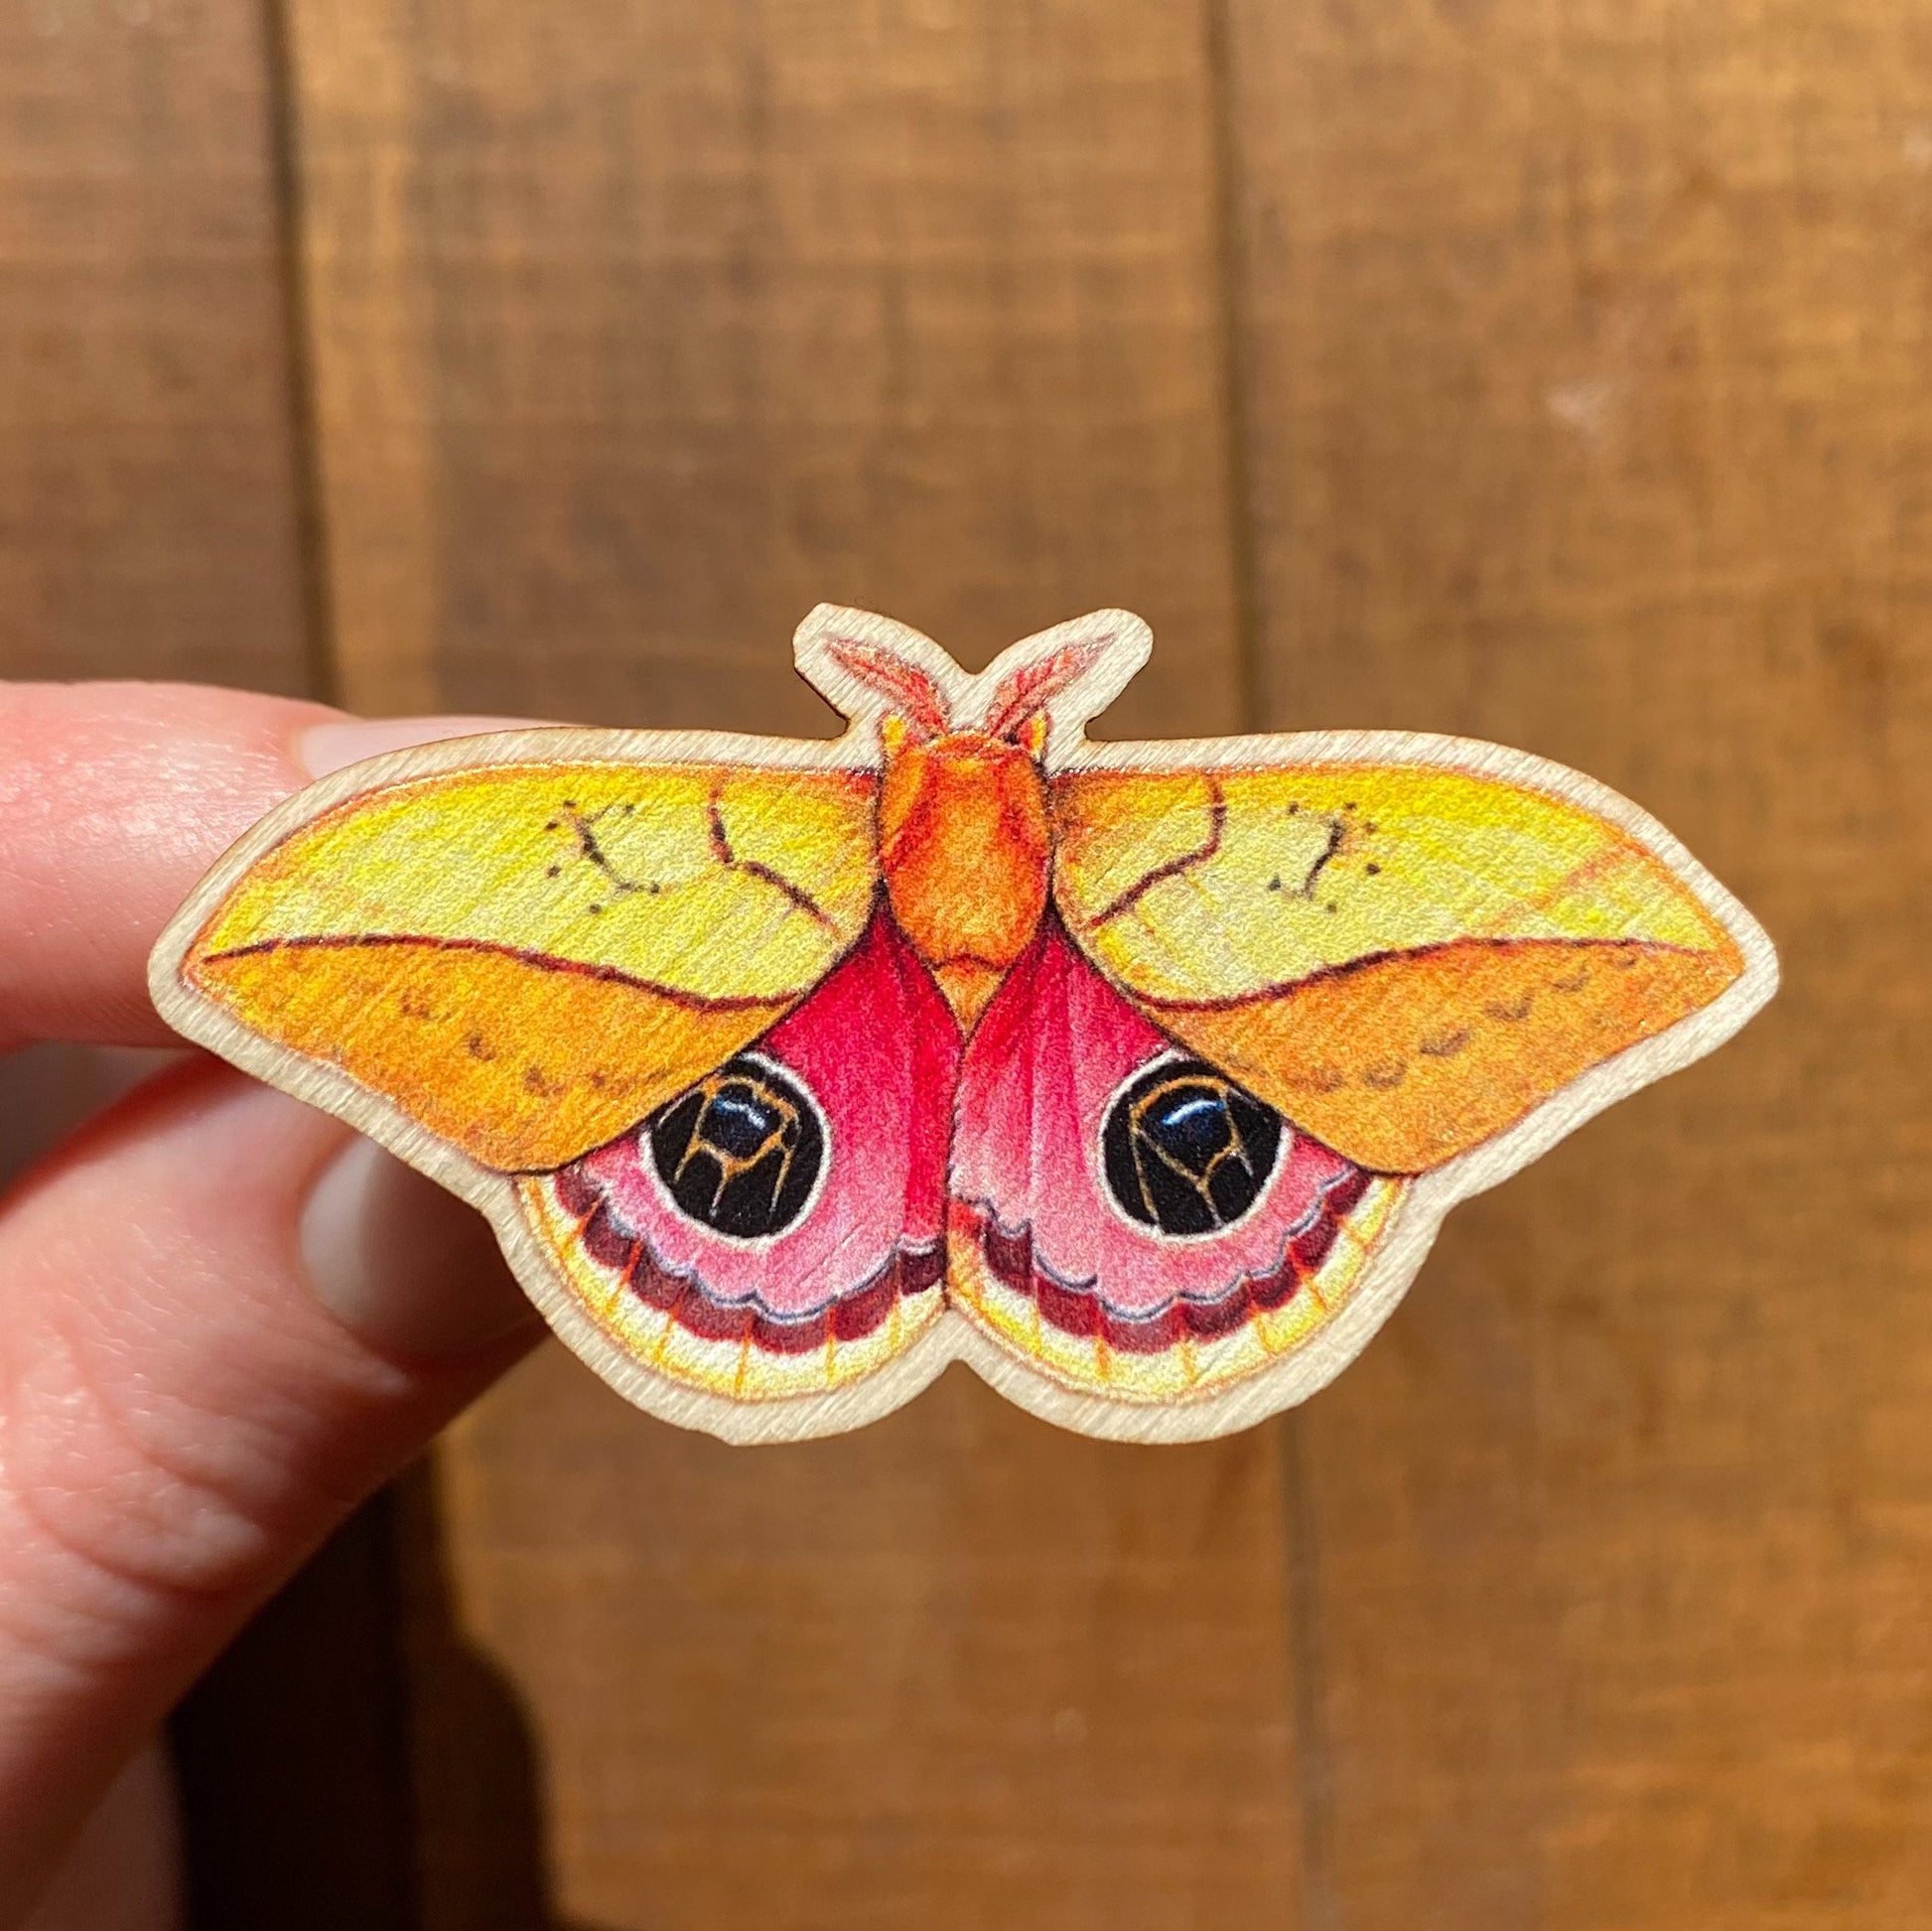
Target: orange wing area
1403,960
1403,1061
527,959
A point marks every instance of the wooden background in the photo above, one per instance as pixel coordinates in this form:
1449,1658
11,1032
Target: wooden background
1552,372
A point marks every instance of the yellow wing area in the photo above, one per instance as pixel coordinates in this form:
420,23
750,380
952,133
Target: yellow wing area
1404,960
528,958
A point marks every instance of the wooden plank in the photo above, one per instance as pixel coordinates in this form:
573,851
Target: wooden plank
151,526
1584,357
147,473
639,331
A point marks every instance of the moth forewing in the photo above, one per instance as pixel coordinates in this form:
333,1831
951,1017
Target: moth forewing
1407,944
527,955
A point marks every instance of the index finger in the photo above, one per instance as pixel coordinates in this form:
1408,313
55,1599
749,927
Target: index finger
114,799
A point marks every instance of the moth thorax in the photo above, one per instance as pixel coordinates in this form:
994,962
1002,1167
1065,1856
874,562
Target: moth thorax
963,843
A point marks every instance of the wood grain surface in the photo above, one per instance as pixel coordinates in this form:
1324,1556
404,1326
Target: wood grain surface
1553,374
147,468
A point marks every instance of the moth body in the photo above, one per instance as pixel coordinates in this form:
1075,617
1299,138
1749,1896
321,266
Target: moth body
964,848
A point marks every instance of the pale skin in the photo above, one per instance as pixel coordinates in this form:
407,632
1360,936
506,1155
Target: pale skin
226,1319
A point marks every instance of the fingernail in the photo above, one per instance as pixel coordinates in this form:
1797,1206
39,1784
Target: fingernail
325,747
404,1266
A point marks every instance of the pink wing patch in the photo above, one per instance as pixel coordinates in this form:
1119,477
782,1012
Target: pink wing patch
797,1198
1056,1055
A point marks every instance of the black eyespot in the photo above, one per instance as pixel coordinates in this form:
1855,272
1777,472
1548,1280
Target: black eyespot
741,1151
1187,1151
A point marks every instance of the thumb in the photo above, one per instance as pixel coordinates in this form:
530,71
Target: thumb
226,1319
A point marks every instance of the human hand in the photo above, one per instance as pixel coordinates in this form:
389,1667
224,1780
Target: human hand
224,1318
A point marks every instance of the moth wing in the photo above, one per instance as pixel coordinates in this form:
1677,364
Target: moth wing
1058,1250
777,1230
1404,959
527,957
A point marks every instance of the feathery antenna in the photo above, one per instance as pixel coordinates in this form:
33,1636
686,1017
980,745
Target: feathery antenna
914,694
1029,690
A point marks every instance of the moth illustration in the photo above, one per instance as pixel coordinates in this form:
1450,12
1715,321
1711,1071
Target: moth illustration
1139,1076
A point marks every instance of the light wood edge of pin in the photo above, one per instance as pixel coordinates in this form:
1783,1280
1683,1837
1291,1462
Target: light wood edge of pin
1405,1244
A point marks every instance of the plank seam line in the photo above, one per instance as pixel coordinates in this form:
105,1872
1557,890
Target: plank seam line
299,351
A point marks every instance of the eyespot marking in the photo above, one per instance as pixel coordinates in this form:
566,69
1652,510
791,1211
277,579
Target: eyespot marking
1186,1151
742,1151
